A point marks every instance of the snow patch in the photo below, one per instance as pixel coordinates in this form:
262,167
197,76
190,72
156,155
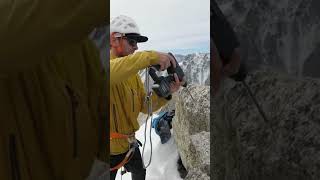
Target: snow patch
164,157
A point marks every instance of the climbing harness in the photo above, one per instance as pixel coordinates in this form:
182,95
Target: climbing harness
133,145
125,160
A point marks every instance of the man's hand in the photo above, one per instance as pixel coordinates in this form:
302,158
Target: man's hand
174,86
165,61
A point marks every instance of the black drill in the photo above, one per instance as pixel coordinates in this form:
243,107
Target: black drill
162,83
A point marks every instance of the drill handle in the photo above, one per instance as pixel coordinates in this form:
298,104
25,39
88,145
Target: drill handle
153,74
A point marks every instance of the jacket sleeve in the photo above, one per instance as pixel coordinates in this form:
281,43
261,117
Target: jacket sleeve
125,67
33,28
157,102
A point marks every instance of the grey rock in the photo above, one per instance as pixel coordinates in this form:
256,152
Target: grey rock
287,144
196,174
191,128
201,144
282,34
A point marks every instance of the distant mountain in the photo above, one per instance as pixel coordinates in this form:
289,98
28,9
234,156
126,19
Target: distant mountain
196,68
179,57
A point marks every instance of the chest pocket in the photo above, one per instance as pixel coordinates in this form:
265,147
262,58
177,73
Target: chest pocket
135,104
132,97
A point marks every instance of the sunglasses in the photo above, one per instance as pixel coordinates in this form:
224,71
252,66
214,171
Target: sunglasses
131,41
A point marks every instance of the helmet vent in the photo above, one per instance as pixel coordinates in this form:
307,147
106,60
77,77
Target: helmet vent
131,25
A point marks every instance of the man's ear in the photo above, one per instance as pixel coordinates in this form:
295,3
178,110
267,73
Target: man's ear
114,42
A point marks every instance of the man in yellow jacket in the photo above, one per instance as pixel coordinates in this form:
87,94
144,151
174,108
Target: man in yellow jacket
52,89
127,94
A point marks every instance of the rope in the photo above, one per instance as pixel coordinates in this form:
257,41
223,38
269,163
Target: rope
121,172
149,107
125,160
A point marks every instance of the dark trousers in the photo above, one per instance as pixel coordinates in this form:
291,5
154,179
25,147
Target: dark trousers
135,166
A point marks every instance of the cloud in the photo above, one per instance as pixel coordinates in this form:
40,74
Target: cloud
176,24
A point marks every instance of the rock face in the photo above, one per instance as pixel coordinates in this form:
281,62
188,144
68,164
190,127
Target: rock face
284,34
197,174
287,145
191,129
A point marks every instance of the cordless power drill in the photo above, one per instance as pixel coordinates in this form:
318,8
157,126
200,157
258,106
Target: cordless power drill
162,83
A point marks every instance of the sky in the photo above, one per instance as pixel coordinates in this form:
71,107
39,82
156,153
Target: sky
178,26
164,159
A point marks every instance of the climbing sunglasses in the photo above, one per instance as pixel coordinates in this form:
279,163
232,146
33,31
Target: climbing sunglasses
131,41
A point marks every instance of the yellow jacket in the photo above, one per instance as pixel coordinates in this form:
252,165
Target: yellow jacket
127,96
52,89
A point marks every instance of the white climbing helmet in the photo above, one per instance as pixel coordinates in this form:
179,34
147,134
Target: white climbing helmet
127,27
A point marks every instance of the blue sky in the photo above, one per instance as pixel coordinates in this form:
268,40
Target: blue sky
178,26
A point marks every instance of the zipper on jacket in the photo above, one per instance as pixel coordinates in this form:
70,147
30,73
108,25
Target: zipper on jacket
115,117
74,106
132,100
13,156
